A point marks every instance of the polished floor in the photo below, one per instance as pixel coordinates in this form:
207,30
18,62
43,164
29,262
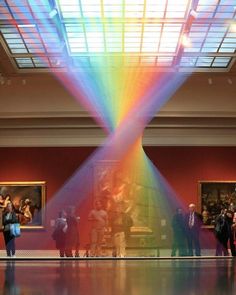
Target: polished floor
119,277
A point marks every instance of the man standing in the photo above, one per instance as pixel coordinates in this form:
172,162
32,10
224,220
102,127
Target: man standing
99,220
121,223
179,233
193,224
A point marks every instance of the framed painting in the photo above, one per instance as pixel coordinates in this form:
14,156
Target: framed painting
215,196
28,199
114,185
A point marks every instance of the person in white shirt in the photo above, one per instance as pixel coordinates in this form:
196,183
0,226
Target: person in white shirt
99,220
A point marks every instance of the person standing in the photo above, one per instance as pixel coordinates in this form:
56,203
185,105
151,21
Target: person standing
221,234
2,207
230,223
179,233
121,223
99,219
193,223
72,233
9,217
59,233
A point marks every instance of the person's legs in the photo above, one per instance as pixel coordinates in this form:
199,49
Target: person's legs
100,238
77,246
62,249
182,246
197,244
232,245
224,243
219,247
62,252
93,239
119,244
77,250
69,252
12,246
7,238
190,243
174,246
122,245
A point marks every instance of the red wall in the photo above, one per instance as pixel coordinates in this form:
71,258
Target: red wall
183,167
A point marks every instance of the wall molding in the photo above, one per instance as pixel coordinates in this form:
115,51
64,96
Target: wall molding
84,114
84,131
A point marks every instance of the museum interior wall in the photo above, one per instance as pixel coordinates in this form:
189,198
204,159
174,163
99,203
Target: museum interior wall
42,95
45,134
36,110
183,168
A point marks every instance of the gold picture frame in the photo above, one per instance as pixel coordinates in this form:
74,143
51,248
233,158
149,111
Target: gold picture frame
213,196
28,199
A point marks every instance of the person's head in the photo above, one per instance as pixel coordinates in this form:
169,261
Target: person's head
179,211
98,205
9,207
62,214
191,208
70,211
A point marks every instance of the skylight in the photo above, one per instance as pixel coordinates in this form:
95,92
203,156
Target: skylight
147,33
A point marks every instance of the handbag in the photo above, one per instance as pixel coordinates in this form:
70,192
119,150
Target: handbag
15,230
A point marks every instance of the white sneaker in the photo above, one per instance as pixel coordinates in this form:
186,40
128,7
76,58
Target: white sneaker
13,256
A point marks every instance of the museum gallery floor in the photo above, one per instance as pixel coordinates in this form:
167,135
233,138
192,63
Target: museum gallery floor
133,277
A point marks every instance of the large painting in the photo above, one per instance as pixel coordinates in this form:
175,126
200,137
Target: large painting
215,196
28,199
114,185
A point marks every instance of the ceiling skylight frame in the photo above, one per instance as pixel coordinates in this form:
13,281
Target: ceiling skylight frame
106,49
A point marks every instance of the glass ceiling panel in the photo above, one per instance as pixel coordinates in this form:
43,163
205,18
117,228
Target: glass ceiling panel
46,33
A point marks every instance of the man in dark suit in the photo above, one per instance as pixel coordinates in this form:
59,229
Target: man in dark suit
193,225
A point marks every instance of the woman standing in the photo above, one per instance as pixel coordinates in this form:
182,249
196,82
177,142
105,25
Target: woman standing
9,217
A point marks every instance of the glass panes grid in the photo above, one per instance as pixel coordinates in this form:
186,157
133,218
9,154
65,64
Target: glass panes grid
145,32
31,38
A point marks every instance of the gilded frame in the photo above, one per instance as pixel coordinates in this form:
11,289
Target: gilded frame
213,196
29,200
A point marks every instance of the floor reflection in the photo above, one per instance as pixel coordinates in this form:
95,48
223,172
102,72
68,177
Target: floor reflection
211,277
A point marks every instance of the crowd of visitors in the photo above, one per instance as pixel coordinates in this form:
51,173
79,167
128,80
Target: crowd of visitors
187,228
116,224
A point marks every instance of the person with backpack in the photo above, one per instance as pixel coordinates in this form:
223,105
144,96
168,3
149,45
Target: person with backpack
59,233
